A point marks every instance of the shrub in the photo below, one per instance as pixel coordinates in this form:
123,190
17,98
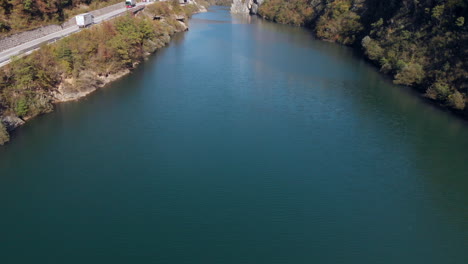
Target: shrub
438,11
159,9
457,100
372,48
21,107
339,23
4,26
460,21
4,136
411,74
438,91
294,12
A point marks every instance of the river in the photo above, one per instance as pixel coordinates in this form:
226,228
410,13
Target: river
243,141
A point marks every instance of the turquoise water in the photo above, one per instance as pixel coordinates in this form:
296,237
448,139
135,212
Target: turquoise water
243,141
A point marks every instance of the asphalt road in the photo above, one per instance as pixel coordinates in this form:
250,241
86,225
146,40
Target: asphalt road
27,47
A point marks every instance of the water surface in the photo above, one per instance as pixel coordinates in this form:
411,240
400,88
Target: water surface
243,142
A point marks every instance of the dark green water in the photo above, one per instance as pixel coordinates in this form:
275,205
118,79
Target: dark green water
242,142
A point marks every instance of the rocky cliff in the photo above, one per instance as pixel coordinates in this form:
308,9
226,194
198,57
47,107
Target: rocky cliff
246,6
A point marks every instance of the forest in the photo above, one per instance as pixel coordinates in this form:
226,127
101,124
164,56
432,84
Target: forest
420,43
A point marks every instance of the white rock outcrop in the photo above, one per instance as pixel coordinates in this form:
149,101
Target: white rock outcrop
245,6
241,6
11,122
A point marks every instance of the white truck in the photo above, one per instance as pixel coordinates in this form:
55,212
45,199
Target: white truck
84,20
130,3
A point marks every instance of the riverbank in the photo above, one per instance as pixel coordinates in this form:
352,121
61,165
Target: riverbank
224,148
80,64
420,45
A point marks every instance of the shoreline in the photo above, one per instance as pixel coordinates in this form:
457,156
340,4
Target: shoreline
418,91
67,89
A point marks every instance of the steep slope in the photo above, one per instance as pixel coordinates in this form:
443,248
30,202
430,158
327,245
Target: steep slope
77,65
422,44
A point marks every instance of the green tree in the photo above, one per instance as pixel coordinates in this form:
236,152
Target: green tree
438,91
412,73
372,48
21,107
457,100
437,12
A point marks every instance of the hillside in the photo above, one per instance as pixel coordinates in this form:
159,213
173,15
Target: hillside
20,15
79,64
422,44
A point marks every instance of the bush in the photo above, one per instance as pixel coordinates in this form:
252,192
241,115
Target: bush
21,107
294,12
411,74
457,100
460,22
159,9
372,49
339,23
4,136
438,91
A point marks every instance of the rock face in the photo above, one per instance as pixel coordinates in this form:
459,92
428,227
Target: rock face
254,9
11,122
245,6
241,6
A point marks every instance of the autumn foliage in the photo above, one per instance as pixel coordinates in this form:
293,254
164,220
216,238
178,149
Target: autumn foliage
421,43
28,85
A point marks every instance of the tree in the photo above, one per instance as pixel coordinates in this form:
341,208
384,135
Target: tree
460,21
457,100
410,74
438,11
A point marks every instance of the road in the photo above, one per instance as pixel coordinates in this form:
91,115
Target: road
27,47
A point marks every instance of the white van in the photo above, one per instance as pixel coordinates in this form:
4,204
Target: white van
84,20
130,3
